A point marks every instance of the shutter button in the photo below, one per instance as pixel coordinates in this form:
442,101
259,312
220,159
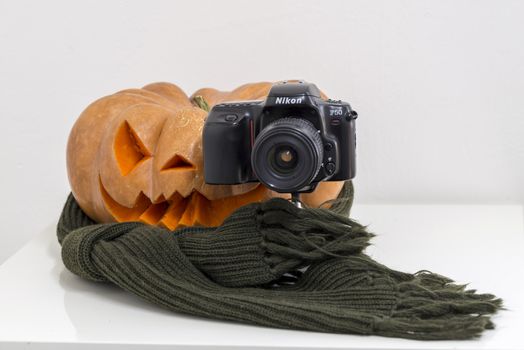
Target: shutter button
231,117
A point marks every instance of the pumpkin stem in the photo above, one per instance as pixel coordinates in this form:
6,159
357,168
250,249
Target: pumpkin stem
201,103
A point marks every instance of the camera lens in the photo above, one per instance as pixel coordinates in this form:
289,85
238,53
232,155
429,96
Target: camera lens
283,159
287,154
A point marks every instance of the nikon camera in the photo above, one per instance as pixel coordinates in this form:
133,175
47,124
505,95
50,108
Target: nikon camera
289,142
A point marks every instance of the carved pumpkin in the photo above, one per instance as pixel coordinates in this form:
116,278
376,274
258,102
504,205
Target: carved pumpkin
137,156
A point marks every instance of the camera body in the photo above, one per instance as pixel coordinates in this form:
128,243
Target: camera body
290,141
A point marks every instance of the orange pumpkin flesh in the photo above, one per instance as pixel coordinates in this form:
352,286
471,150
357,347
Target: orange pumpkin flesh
137,156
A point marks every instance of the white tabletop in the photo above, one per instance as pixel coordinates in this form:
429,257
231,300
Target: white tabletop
44,306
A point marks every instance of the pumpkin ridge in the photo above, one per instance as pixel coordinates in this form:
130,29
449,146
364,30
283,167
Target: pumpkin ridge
149,97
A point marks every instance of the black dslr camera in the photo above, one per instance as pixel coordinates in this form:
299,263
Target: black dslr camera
289,142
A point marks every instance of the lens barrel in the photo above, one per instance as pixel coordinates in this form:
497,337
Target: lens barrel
287,154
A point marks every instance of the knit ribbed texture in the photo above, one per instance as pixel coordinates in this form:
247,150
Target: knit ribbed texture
251,270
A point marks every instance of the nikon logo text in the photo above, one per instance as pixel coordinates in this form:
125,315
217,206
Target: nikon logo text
288,100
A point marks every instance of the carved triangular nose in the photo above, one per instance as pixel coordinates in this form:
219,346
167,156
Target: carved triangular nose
177,162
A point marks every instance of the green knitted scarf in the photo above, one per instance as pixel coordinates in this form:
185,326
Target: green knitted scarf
273,264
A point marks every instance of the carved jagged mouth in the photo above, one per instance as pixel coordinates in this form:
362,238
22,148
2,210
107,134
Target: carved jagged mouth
178,211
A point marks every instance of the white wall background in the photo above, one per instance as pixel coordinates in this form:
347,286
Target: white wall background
439,86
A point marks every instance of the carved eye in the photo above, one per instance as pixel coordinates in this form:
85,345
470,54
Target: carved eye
177,162
129,149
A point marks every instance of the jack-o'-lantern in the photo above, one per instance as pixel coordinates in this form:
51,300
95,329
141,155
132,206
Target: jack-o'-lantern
137,156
